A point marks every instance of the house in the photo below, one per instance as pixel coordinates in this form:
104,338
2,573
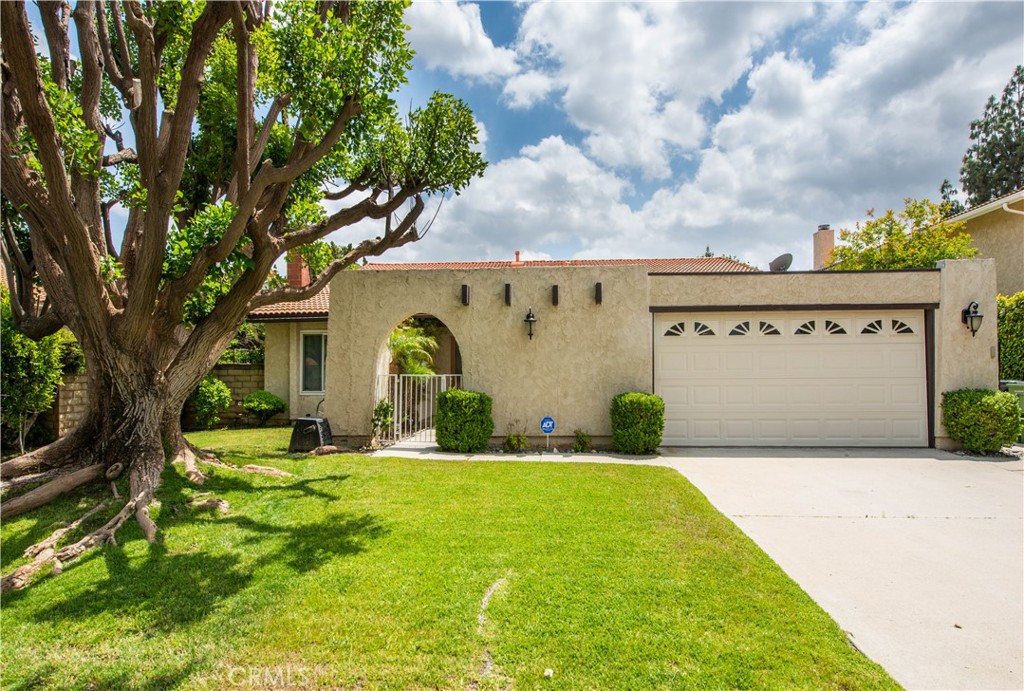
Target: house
741,357
997,230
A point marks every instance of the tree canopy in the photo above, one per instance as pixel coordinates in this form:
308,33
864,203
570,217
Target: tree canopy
915,238
994,163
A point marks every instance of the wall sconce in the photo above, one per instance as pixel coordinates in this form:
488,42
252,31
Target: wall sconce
530,321
554,295
597,293
971,318
465,294
508,294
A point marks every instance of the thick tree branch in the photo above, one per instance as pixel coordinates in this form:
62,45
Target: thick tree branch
245,57
109,62
54,14
124,155
86,182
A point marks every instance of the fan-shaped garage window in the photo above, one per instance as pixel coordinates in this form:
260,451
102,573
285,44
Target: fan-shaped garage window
702,329
834,327
874,327
768,329
901,327
741,329
676,329
805,329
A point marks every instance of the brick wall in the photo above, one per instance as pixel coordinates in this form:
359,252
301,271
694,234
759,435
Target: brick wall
241,379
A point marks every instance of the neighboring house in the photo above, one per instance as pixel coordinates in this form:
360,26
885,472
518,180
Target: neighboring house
997,229
741,357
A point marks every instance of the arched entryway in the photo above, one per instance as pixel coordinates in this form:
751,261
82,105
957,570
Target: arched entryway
419,359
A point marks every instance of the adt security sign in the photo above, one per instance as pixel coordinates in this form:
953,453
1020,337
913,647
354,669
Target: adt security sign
547,425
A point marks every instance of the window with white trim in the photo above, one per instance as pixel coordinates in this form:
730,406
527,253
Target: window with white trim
313,365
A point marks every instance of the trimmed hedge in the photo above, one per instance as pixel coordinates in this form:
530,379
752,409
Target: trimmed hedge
638,420
1011,336
210,398
980,419
464,421
263,405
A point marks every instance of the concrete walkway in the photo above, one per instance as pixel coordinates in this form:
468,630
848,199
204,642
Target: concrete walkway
917,554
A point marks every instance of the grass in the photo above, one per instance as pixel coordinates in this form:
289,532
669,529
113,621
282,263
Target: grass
365,572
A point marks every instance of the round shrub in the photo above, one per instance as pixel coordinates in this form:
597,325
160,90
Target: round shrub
638,419
263,405
211,397
980,419
464,421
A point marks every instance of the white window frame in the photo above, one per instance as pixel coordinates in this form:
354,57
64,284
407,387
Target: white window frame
323,363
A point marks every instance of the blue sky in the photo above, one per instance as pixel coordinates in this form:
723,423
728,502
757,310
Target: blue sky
657,129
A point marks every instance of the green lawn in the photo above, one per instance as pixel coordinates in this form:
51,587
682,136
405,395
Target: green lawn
365,572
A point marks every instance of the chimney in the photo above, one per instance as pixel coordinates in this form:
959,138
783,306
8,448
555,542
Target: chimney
298,272
517,262
824,243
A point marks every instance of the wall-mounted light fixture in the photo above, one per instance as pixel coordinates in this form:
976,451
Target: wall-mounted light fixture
508,294
554,295
971,318
530,321
597,293
465,294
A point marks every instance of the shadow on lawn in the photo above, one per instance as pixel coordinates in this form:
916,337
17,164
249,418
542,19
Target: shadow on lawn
52,675
166,590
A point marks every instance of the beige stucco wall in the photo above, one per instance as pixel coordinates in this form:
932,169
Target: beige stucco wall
999,235
826,288
281,359
962,360
581,355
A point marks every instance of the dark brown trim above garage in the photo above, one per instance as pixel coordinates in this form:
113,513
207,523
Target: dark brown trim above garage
793,308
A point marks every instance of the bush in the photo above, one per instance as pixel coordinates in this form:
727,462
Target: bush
382,418
211,397
1011,336
581,443
263,405
515,442
463,420
638,419
980,419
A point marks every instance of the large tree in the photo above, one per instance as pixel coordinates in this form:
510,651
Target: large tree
216,131
994,163
915,238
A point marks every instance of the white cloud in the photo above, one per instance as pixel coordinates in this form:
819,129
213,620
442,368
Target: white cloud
450,36
633,77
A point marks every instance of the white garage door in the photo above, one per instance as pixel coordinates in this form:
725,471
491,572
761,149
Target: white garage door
792,379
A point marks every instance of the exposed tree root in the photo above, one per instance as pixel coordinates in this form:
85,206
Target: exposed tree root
45,553
70,450
51,490
16,482
206,500
189,456
256,469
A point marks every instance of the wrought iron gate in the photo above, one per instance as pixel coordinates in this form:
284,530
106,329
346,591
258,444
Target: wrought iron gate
413,398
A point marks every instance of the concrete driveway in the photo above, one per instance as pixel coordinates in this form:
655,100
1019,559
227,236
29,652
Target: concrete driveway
917,554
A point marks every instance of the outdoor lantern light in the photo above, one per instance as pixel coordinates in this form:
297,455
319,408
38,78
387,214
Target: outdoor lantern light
530,321
971,318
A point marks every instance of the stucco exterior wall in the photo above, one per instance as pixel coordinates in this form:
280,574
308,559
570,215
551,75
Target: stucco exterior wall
826,288
281,360
999,235
581,354
963,360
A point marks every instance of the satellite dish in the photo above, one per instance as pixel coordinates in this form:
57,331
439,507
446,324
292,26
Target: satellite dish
780,263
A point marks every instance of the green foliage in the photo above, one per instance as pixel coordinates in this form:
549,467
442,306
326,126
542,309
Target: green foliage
1011,336
994,163
515,442
30,372
383,417
412,349
248,345
211,397
980,419
464,421
263,405
581,441
638,420
915,238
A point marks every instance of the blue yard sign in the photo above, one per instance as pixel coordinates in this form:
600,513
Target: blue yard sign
547,425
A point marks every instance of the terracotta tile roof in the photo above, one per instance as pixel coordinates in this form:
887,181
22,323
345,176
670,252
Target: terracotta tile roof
991,205
308,309
654,266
